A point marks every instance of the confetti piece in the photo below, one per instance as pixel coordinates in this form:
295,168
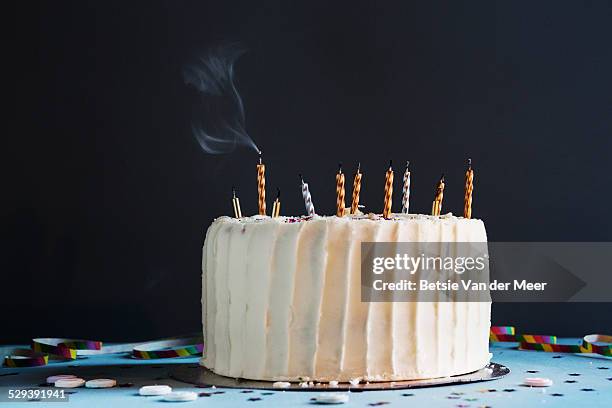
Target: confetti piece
537,382
69,382
53,378
101,383
587,389
181,396
331,398
148,390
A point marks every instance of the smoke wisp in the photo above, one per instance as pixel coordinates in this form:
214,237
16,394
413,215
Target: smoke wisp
219,123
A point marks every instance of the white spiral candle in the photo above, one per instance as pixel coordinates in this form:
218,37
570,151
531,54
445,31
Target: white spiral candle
406,196
310,210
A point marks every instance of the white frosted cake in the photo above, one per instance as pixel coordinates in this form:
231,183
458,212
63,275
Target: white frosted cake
281,300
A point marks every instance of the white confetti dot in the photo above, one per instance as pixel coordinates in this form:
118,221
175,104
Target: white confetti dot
331,398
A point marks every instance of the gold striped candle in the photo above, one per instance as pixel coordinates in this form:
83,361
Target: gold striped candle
469,188
340,192
439,197
261,187
388,192
356,190
276,204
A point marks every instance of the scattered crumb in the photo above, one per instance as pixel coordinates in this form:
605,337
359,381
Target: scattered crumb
333,384
355,381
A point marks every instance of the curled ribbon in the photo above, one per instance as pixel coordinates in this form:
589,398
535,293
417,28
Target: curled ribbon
70,349
593,343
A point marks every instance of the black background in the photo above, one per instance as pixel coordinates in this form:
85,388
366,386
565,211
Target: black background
108,196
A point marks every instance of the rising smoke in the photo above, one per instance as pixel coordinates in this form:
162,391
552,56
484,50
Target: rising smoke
219,123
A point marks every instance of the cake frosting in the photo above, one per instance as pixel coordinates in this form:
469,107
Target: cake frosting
281,301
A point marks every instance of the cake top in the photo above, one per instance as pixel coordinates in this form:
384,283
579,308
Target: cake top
347,218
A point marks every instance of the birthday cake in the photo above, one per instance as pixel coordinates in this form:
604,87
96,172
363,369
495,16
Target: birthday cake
281,300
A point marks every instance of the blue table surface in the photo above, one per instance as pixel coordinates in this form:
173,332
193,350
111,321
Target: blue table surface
579,380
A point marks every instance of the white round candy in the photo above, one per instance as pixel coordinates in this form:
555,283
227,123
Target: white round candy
52,379
154,390
538,382
70,382
180,396
332,398
101,383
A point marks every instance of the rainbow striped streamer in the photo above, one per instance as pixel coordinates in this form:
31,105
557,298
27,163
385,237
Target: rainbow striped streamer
65,348
25,358
591,344
70,349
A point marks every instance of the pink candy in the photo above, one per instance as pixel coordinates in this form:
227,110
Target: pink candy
538,382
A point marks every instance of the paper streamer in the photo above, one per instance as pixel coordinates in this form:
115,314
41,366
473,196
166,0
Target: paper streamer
44,349
66,348
591,344
25,358
170,348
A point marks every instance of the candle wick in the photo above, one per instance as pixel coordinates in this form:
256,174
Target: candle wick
233,192
301,178
340,168
260,157
277,193
442,178
469,164
358,167
390,164
407,164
